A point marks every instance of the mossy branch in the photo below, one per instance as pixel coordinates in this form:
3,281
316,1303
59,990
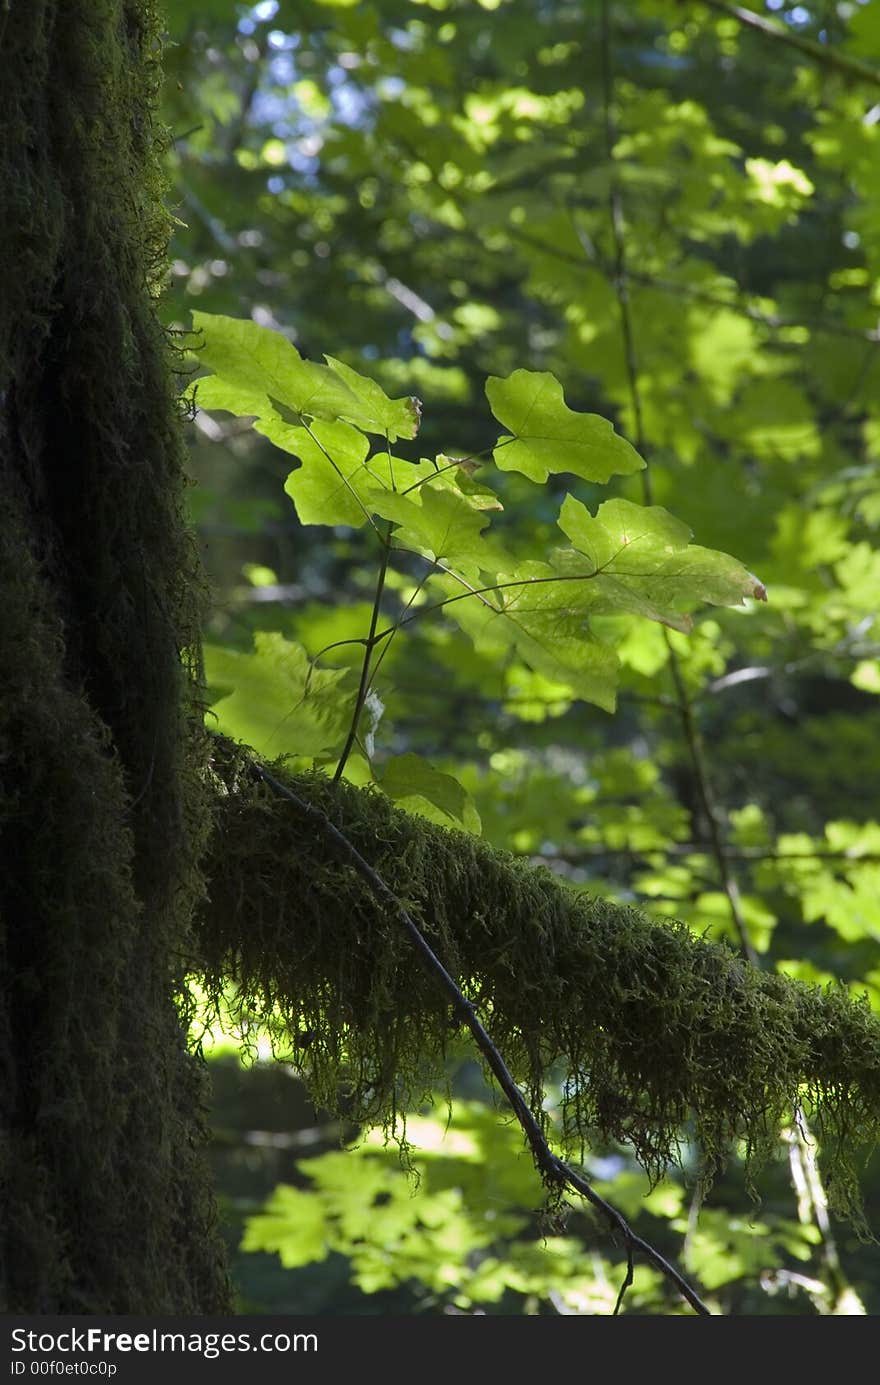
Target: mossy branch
659,1032
554,1171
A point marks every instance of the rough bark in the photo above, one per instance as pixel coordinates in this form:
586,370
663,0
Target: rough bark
106,1203
109,814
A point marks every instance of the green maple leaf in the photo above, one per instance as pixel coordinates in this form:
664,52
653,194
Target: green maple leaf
639,559
331,483
276,700
549,436
413,783
395,418
259,373
293,1225
629,558
439,521
254,368
337,483
530,612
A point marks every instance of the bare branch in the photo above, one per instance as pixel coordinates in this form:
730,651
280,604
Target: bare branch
685,704
825,56
555,1171
816,1212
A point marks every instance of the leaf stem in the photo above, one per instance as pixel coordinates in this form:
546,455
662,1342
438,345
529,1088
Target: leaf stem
459,461
369,644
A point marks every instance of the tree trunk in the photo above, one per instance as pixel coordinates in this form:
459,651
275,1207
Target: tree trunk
107,1204
106,827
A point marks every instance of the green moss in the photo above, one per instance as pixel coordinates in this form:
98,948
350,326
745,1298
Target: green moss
106,1202
660,1031
106,808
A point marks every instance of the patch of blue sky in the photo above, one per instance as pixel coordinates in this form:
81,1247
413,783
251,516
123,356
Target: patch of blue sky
281,69
280,42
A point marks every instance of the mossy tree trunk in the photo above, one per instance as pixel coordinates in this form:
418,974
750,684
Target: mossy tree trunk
105,824
106,1203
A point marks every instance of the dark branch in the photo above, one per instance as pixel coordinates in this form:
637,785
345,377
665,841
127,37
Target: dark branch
553,1169
824,55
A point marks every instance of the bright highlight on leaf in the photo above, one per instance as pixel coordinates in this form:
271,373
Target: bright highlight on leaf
549,436
256,370
627,559
276,700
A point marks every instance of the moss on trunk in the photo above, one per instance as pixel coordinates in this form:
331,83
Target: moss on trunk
106,1200
109,817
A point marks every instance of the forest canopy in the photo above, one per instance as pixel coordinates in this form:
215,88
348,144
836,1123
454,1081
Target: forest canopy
531,364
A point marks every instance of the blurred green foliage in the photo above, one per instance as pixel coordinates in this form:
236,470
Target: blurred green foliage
677,218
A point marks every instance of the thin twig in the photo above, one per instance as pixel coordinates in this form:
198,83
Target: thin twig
686,713
412,598
825,56
369,645
553,1169
802,1162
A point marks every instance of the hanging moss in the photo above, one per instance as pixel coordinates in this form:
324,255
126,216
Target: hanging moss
106,1203
660,1031
106,808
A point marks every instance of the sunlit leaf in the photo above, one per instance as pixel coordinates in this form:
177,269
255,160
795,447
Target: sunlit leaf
535,615
276,700
639,559
254,366
442,523
549,436
257,371
329,485
337,482
396,418
293,1225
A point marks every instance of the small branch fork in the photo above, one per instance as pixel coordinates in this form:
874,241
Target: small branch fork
369,645
553,1169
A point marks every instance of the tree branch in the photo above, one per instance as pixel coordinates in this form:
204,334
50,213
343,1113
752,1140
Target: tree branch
824,55
689,726
658,1029
555,1172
